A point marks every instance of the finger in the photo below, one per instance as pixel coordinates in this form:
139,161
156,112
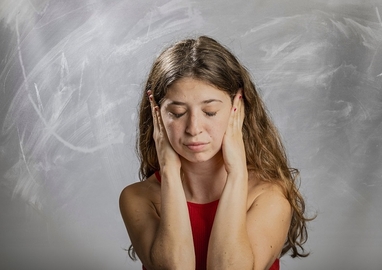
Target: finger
152,106
156,114
231,120
233,114
238,107
159,120
154,109
151,99
242,109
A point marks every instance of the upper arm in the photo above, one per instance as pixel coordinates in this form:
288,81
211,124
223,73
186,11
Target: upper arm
268,221
141,220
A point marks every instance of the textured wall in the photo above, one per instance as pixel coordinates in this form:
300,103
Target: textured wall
71,73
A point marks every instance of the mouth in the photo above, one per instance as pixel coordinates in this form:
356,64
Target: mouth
196,146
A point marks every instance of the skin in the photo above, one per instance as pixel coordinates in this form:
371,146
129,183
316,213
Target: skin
199,142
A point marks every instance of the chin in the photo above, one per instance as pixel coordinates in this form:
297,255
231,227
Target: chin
201,157
196,158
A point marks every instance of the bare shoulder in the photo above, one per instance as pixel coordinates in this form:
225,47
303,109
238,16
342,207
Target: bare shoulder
139,206
269,193
268,219
141,194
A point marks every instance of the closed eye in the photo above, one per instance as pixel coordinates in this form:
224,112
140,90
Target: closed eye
177,115
210,113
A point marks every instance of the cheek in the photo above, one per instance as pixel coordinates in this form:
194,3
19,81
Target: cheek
225,120
172,130
218,129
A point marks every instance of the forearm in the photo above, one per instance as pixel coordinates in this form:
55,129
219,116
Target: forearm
173,246
229,246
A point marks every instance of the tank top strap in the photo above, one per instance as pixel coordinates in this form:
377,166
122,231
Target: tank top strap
157,175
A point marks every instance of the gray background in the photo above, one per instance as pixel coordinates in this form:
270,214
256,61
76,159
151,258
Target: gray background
71,73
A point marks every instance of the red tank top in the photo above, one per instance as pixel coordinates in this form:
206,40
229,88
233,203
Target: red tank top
202,218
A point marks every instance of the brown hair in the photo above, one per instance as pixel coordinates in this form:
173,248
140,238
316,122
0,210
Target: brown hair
207,60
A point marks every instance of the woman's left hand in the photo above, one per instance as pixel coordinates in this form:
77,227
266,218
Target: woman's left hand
233,144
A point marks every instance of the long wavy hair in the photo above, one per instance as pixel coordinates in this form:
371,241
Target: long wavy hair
207,60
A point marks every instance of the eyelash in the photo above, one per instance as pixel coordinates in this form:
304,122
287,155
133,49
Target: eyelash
210,113
178,115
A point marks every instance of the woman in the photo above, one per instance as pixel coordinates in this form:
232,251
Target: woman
216,189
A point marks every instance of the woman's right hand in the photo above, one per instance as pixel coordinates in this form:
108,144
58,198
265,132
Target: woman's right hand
165,152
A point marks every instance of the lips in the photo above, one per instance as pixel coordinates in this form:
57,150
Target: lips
196,146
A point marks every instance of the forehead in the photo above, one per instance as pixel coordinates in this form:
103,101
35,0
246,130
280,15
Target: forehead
189,89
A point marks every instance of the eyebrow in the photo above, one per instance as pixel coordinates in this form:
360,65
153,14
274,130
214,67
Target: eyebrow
208,101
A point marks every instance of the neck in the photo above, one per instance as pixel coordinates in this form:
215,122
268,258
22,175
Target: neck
204,182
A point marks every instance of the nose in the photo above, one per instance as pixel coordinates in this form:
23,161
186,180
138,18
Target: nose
193,125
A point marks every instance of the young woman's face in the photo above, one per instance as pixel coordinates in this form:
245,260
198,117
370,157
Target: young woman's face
195,115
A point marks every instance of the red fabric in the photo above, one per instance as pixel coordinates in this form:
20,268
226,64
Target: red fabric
275,265
201,218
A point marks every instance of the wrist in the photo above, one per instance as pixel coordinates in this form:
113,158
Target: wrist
169,172
238,174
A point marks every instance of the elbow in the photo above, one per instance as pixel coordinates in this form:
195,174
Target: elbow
239,261
167,259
